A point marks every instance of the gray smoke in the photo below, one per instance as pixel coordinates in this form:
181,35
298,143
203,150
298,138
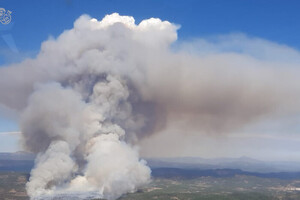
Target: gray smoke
81,149
91,94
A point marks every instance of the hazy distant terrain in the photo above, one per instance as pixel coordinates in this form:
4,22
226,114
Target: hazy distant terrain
23,161
242,163
20,161
184,178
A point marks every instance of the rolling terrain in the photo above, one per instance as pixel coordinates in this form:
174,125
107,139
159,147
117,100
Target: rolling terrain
180,180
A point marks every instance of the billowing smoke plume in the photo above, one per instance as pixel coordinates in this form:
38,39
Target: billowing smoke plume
91,94
81,147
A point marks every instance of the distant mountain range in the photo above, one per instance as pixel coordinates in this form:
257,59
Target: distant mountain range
218,173
20,155
242,163
18,161
24,161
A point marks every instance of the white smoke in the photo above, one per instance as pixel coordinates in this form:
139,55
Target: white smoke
81,150
92,93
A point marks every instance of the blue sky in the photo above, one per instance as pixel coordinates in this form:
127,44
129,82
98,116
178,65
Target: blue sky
35,21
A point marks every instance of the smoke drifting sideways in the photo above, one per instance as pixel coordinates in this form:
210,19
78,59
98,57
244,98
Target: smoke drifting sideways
93,93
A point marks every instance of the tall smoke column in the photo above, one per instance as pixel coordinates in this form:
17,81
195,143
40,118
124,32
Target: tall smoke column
74,129
68,130
93,93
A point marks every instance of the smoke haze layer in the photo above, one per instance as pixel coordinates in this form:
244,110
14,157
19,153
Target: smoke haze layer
94,92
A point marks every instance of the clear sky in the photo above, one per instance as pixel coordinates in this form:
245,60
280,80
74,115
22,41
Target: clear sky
35,21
